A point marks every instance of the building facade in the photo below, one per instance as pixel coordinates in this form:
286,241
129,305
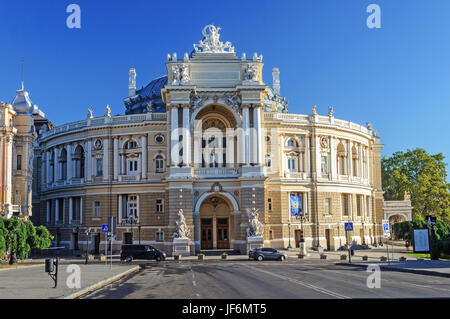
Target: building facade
213,139
18,135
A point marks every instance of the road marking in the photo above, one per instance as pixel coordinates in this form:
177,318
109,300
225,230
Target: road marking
316,288
194,283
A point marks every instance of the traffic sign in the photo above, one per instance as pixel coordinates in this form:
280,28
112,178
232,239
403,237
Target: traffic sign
348,226
386,228
105,228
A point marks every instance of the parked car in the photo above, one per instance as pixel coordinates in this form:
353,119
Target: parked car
130,252
266,253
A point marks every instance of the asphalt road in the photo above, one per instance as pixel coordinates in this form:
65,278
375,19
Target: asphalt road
269,280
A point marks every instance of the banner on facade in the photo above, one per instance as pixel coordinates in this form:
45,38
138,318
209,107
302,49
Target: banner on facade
296,205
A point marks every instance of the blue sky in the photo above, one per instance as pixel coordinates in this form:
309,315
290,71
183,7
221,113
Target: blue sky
396,77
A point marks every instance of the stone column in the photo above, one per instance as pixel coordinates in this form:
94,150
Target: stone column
48,157
317,156
350,159
120,209
283,163
144,157
56,210
246,127
81,210
258,131
230,148
106,159
9,168
214,232
174,137
308,155
48,212
70,209
69,162
186,137
361,166
333,151
116,159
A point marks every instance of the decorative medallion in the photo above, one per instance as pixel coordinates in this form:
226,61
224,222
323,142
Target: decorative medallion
98,144
324,142
216,188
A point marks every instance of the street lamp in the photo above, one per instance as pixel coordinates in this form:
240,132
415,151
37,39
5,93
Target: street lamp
132,220
87,239
289,235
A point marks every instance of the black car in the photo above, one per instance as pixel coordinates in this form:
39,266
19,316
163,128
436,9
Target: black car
130,252
266,254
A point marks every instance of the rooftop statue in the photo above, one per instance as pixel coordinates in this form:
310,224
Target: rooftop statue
211,42
108,111
90,116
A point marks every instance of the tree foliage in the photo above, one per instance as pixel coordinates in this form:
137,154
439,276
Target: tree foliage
18,237
423,176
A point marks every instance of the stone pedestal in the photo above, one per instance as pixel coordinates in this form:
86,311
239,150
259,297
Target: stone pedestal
181,247
254,243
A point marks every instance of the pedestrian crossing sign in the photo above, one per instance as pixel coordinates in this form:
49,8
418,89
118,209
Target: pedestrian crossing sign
348,226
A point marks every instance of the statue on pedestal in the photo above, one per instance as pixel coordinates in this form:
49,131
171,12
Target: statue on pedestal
255,227
182,229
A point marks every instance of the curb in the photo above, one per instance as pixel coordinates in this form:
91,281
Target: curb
409,270
100,284
22,267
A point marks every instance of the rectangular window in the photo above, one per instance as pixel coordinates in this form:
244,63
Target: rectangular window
270,234
328,206
159,236
324,165
19,162
99,166
96,213
159,206
345,203
358,205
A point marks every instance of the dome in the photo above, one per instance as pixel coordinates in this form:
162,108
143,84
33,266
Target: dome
147,98
22,103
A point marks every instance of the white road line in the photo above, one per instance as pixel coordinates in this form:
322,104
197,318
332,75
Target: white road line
316,288
194,283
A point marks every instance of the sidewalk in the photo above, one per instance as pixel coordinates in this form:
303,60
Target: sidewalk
426,267
34,283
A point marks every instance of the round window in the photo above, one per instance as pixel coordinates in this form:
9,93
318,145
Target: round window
159,139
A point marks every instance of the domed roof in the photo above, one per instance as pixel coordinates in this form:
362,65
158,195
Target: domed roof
22,103
147,98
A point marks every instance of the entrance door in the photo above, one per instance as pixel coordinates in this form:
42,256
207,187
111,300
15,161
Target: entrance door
128,238
222,233
298,236
206,230
328,236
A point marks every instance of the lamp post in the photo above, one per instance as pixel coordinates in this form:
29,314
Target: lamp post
87,238
139,228
289,235
131,219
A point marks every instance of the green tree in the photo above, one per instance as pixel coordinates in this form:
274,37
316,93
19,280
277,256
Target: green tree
423,176
19,237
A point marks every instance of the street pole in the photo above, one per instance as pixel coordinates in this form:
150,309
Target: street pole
289,230
348,248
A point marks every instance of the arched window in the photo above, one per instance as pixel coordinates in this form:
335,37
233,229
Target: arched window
292,143
159,164
354,161
78,158
52,166
341,159
131,144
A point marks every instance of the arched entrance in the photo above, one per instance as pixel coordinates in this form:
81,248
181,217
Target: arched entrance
216,221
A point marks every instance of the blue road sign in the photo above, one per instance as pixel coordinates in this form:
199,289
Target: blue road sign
348,226
386,227
104,228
